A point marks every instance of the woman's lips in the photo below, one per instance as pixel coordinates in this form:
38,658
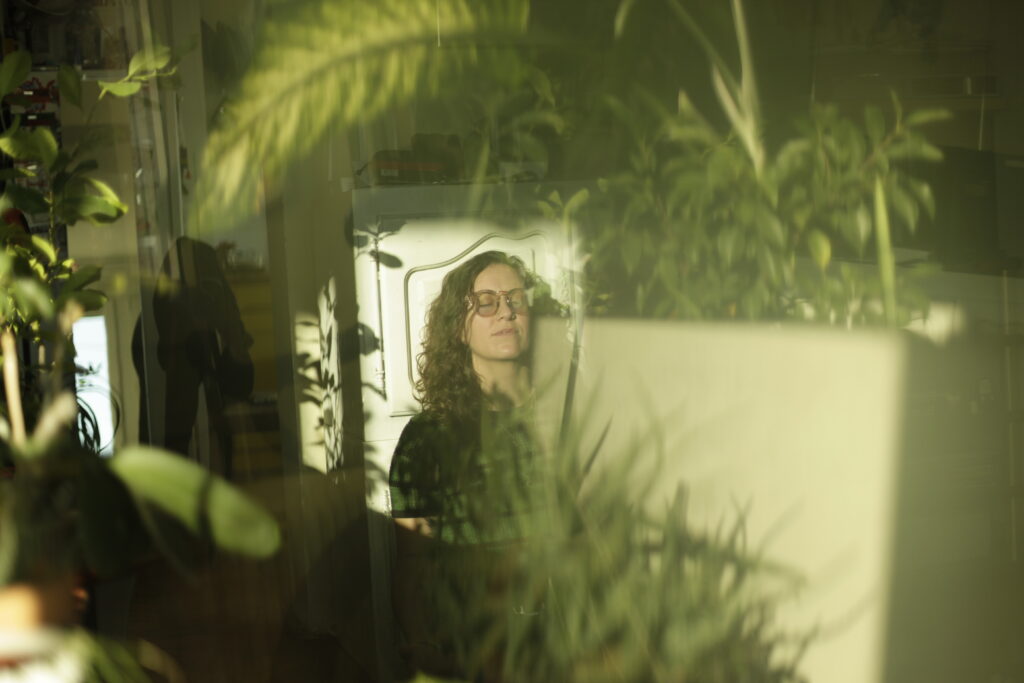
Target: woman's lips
505,332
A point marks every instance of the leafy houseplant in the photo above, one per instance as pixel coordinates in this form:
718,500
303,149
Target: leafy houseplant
705,225
65,508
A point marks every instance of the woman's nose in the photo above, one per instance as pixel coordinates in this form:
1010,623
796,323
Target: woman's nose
504,310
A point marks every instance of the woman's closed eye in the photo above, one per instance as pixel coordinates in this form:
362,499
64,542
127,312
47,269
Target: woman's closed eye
487,301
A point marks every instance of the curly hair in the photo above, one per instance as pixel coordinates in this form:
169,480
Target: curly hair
448,385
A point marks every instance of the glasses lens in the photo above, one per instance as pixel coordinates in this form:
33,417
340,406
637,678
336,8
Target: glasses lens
517,300
486,304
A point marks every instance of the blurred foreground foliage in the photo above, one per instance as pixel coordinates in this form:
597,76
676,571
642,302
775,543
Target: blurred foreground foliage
64,509
599,583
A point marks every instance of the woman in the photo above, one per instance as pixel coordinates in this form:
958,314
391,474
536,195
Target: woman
452,457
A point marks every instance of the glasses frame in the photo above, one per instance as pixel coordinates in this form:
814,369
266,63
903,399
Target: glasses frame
473,301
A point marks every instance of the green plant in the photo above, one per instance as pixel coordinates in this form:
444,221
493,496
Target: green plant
314,73
64,508
710,225
586,587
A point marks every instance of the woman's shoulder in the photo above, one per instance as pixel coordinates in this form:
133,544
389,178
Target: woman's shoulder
432,423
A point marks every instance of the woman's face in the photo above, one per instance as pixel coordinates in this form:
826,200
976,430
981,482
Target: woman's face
505,335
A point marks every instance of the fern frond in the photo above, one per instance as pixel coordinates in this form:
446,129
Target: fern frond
328,65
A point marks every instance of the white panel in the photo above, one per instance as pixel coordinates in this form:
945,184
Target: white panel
799,425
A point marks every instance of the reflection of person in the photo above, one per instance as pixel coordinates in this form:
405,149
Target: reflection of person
201,342
473,374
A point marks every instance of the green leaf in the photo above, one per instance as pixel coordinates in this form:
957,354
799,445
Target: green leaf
107,193
70,83
791,157
768,261
897,107
914,147
875,123
14,70
31,298
727,244
864,226
27,199
88,299
120,88
150,59
904,205
89,207
923,192
35,144
198,498
315,74
576,202
44,247
886,260
46,143
771,228
621,15
84,276
923,116
820,247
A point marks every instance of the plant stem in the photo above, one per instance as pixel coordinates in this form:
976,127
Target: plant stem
886,262
12,387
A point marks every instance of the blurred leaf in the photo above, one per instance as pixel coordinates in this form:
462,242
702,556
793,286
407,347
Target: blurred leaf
149,59
621,15
28,200
820,247
904,205
771,228
89,299
198,498
89,207
886,260
769,262
914,147
107,193
316,72
120,88
44,247
32,299
69,81
863,224
32,144
106,660
14,70
923,192
576,202
897,107
875,123
923,116
727,244
791,156
85,275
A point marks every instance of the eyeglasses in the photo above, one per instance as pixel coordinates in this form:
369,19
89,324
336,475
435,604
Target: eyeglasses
485,302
